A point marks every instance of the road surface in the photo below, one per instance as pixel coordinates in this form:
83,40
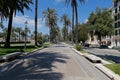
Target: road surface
109,54
57,62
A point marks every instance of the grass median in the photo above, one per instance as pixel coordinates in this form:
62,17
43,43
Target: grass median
18,48
114,67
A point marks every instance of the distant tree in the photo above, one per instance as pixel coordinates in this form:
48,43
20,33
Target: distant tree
83,33
1,25
50,16
101,23
19,30
12,7
64,33
3,33
66,24
74,4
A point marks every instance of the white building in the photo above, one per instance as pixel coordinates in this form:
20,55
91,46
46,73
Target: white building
116,16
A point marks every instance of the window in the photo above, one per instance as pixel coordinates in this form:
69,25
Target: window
115,4
118,16
118,24
116,32
115,17
119,31
115,25
116,10
119,8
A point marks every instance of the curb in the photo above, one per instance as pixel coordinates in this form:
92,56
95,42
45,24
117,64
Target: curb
107,72
102,68
33,51
9,57
77,52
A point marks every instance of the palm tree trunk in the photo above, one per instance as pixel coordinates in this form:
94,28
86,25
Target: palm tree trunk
19,36
76,14
7,43
72,24
65,32
36,16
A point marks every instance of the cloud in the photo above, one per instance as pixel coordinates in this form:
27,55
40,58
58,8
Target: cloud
86,21
20,20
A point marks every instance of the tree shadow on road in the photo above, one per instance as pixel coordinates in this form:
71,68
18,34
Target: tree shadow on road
115,59
38,66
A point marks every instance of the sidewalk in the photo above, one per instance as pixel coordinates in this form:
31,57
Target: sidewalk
99,66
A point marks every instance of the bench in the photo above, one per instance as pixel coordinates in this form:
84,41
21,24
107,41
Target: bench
93,58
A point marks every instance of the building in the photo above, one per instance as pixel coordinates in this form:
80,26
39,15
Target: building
115,10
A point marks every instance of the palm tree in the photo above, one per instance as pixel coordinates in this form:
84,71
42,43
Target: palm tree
1,25
36,17
56,33
50,17
19,30
14,6
24,34
66,23
4,33
4,10
27,30
74,10
13,34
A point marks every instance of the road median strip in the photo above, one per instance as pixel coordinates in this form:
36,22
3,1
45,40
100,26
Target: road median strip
107,72
100,67
33,51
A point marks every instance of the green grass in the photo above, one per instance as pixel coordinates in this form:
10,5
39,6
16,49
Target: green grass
46,44
16,48
83,51
114,67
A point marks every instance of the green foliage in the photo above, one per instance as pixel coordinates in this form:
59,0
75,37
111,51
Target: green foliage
50,16
66,24
83,33
79,47
17,48
100,23
114,67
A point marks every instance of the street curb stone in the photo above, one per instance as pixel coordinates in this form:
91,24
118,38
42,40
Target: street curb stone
107,72
102,68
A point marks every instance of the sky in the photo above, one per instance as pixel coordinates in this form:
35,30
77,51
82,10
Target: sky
59,5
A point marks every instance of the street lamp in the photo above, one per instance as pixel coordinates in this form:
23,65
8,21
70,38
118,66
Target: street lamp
25,33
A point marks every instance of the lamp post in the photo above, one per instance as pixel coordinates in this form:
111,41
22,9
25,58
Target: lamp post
25,33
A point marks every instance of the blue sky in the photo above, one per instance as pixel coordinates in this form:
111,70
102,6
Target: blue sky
83,9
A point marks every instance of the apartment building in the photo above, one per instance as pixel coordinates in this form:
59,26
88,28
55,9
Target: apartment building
116,16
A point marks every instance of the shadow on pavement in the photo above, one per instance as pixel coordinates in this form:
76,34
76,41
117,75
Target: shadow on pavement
38,66
115,59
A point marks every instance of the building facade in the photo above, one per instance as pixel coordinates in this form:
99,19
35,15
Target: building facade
116,16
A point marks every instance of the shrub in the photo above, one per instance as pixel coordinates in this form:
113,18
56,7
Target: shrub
79,47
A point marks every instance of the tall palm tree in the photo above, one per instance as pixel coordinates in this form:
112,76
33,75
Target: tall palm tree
50,16
18,30
36,17
4,33
74,10
27,30
14,6
24,35
4,10
1,25
66,23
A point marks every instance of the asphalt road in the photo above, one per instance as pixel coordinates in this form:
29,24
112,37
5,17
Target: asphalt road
109,54
57,62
